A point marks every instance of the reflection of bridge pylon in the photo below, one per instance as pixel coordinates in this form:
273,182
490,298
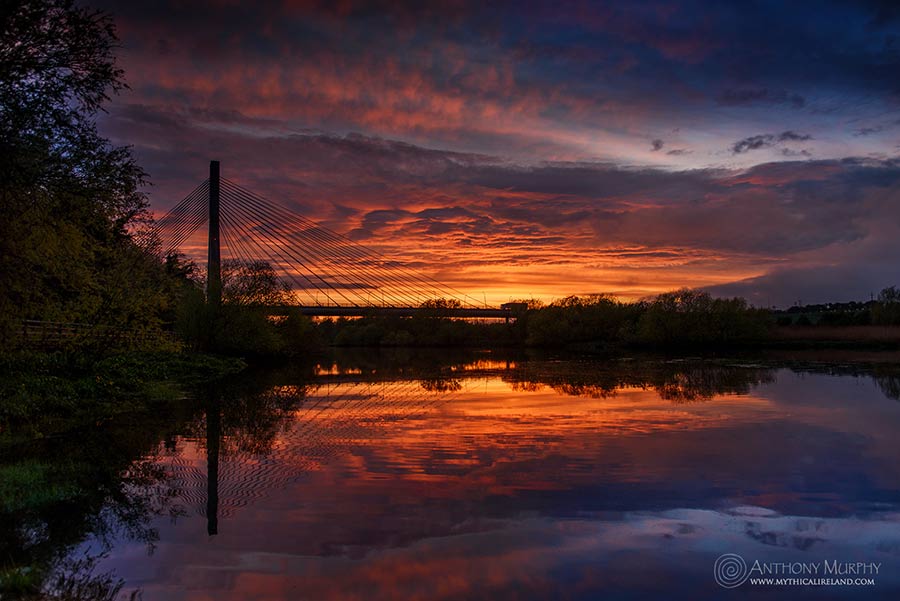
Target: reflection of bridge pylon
325,423
213,439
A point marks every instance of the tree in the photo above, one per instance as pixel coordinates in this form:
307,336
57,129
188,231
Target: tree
253,284
70,199
886,311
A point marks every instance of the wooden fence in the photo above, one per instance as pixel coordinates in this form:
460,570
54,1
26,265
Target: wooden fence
54,335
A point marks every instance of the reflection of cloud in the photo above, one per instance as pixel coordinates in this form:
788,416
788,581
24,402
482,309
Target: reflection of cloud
508,491
667,553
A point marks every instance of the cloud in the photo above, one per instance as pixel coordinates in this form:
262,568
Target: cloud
480,220
753,143
785,287
767,141
503,147
874,129
792,136
748,96
547,83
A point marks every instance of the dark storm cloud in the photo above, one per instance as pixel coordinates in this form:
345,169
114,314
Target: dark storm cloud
767,141
574,65
785,287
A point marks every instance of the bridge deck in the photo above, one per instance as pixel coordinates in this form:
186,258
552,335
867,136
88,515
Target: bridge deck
339,311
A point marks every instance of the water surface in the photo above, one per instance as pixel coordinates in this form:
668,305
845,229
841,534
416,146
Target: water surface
490,479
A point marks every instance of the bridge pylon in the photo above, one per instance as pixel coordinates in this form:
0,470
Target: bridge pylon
214,258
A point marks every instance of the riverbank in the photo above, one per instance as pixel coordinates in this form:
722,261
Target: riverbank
117,407
827,336
47,393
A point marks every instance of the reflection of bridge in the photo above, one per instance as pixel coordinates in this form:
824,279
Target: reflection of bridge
328,274
323,420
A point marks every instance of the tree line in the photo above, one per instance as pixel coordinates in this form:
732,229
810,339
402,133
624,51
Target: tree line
593,322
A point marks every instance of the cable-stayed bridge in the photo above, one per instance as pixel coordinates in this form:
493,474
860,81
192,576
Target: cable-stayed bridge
327,273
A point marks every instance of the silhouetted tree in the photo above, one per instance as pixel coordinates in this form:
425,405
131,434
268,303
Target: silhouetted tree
254,283
69,198
886,311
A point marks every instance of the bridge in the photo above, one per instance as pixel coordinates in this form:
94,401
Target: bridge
325,273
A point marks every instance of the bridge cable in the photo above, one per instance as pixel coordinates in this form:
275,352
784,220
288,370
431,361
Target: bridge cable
172,219
350,249
262,229
303,250
244,235
343,251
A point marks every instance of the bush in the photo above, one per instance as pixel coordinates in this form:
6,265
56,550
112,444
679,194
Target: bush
688,317
886,311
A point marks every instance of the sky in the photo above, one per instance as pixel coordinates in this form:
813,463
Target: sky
541,149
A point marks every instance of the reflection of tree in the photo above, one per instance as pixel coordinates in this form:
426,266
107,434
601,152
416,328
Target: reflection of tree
885,375
113,489
701,383
678,382
254,406
525,386
890,385
75,579
441,385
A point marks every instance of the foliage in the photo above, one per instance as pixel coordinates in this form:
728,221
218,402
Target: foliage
577,319
423,329
71,200
253,284
43,393
593,323
886,311
688,317
29,484
241,326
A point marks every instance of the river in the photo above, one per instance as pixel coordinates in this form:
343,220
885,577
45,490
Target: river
426,477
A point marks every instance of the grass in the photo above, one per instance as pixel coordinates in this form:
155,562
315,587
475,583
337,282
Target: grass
30,484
